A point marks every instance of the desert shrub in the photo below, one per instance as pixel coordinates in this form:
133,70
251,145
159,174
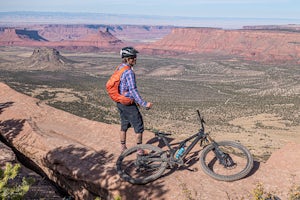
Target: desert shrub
115,198
46,95
10,189
294,193
259,193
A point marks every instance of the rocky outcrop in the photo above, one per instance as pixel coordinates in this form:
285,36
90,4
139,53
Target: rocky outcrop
48,55
99,39
16,37
29,34
41,186
45,58
7,155
259,45
79,155
136,33
13,37
61,32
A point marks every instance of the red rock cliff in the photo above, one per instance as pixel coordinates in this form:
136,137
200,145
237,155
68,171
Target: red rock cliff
14,37
251,44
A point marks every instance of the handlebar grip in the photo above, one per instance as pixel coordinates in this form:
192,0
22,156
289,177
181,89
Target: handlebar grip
199,114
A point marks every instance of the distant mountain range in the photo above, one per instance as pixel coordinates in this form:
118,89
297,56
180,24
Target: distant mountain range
259,43
17,18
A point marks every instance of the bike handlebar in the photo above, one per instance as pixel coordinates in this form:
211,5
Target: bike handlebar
199,114
202,122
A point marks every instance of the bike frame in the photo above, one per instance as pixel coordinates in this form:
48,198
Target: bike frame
195,139
155,160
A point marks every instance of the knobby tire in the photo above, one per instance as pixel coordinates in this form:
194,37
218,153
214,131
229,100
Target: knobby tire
155,157
240,154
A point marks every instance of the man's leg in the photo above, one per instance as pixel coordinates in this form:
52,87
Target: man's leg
139,138
124,126
123,140
138,124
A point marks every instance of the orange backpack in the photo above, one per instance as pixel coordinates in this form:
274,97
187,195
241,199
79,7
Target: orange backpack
112,87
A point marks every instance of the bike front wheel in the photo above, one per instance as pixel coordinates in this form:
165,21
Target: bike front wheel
236,164
144,168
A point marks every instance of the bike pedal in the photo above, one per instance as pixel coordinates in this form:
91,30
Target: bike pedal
195,169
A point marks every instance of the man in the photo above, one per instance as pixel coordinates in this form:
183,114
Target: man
130,114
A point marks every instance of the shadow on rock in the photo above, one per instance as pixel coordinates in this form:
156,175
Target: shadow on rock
160,142
87,174
255,168
192,159
5,105
153,190
11,128
80,170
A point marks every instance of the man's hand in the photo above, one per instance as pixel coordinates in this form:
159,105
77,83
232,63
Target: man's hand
149,105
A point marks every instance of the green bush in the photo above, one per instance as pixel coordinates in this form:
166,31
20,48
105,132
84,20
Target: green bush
9,189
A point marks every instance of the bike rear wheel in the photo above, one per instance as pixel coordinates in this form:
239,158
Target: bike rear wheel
142,169
238,164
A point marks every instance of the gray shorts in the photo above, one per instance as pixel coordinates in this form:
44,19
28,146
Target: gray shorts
130,117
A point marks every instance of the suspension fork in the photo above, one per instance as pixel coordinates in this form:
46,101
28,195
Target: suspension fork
224,158
218,152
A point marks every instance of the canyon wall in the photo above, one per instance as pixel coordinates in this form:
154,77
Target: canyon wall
12,37
263,44
259,45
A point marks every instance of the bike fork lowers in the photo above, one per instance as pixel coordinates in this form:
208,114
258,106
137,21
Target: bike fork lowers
224,158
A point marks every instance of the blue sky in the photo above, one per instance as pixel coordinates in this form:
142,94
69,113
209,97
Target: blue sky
195,13
282,9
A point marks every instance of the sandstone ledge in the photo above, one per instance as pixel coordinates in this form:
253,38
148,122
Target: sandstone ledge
79,155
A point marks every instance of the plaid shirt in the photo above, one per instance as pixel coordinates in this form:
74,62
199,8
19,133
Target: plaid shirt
128,86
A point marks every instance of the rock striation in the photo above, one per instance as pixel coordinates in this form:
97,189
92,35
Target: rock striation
258,45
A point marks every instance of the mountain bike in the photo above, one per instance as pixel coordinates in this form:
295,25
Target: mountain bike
224,160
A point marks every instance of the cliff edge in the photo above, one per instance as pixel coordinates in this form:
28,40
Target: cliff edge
79,155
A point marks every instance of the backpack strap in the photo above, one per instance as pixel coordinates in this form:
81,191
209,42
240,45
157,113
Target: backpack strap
126,67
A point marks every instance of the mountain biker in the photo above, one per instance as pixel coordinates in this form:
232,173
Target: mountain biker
130,114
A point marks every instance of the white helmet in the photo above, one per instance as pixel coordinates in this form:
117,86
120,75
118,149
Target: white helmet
128,52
